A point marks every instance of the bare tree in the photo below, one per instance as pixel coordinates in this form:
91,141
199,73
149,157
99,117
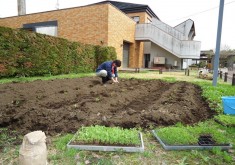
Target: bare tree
225,47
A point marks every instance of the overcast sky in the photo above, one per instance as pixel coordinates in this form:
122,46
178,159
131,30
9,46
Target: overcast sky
204,13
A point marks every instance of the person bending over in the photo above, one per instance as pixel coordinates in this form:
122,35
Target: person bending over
108,71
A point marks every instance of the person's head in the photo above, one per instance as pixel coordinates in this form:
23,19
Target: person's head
118,63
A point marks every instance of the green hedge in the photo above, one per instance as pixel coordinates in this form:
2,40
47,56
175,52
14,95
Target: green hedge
24,53
103,54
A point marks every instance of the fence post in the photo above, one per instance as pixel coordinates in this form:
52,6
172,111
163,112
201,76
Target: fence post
233,80
220,74
185,72
188,72
225,76
160,71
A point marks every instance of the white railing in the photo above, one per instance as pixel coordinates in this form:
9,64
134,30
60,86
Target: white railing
168,29
180,48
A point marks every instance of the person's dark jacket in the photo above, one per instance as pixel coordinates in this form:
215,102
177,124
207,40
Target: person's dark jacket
108,67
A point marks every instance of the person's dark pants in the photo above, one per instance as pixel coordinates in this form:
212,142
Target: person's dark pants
105,79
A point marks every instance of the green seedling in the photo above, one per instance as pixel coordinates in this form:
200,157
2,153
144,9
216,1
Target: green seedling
97,99
107,135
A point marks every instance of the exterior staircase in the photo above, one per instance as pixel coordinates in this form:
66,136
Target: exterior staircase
169,39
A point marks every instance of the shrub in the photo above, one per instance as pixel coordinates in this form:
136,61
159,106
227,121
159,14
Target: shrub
104,54
24,53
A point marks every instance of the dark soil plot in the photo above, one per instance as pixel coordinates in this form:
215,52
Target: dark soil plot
62,106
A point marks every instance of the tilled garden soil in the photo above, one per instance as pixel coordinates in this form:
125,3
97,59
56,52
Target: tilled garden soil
64,105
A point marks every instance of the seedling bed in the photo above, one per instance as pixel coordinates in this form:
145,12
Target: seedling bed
96,147
205,142
101,138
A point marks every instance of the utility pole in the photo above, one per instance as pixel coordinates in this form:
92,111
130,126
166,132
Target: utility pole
21,7
217,52
57,5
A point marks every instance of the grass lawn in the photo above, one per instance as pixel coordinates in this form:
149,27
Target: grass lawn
58,154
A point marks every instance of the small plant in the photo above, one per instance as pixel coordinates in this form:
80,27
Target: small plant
218,152
9,149
183,161
97,99
107,135
8,137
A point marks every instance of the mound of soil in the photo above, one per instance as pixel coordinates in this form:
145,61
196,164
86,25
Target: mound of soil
64,105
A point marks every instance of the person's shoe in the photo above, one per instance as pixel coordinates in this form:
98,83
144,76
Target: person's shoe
103,80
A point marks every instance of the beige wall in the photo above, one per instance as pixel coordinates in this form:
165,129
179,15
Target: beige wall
121,28
143,16
137,58
83,24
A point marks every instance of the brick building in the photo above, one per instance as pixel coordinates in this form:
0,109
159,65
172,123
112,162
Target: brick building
138,35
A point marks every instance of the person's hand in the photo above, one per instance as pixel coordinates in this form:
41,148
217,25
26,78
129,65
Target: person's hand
116,80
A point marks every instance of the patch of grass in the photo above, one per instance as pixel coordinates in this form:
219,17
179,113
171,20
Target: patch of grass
178,75
61,142
169,79
9,145
62,153
213,94
223,154
8,138
46,77
226,120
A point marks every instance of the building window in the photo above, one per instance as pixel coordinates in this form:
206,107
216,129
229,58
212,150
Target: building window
48,28
136,19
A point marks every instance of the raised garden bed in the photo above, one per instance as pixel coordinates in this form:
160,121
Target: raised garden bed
200,136
204,142
100,138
